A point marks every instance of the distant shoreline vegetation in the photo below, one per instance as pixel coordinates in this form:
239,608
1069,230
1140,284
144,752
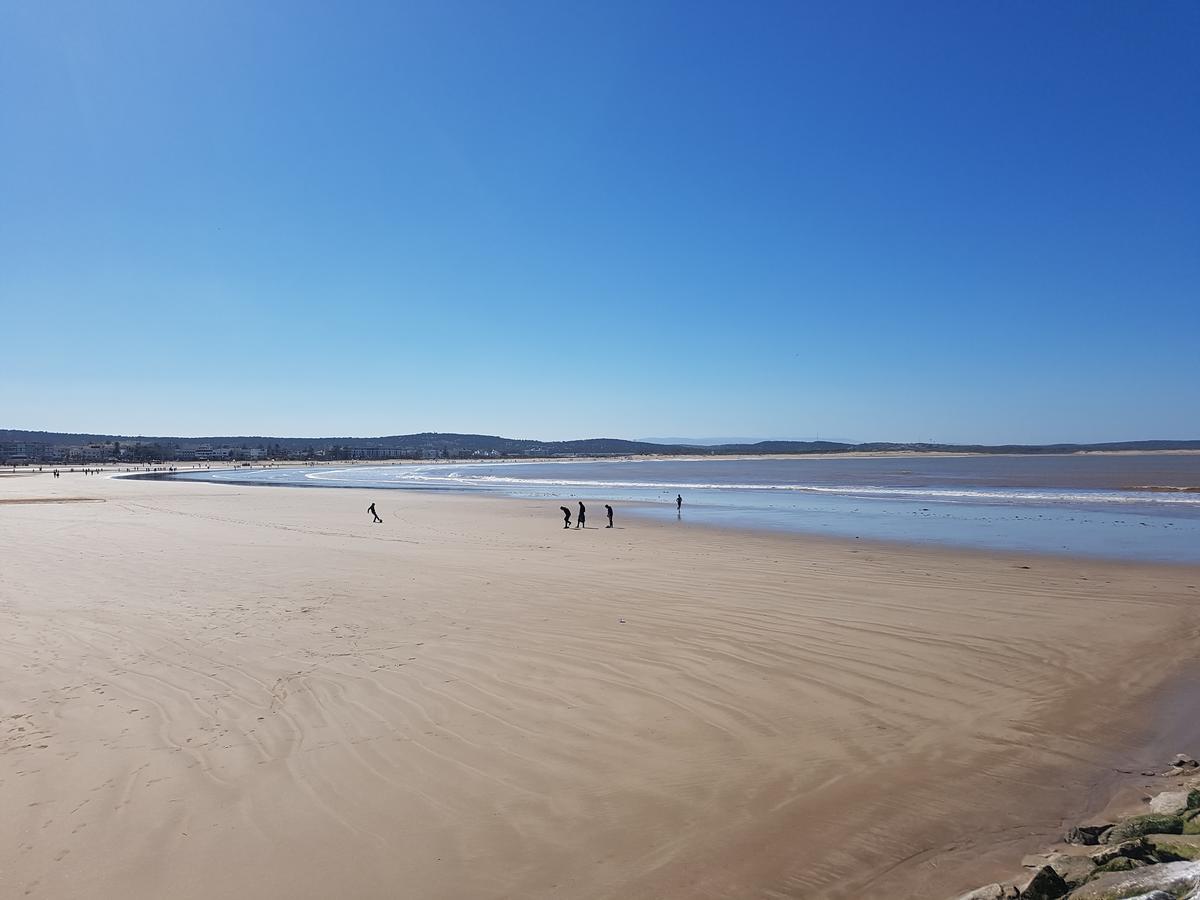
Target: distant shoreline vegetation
25,447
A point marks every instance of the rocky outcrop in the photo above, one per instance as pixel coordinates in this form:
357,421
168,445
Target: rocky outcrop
1151,856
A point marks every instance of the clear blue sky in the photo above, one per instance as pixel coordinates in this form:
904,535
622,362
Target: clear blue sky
965,221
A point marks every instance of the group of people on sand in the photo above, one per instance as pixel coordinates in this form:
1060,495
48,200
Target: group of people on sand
581,519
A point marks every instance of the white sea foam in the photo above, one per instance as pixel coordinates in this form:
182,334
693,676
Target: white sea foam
462,476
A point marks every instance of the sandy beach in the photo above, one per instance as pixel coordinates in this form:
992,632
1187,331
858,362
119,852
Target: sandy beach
222,691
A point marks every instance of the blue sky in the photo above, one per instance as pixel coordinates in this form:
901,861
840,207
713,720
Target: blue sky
910,221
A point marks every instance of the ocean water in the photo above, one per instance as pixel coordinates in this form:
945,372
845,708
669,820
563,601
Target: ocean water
1121,506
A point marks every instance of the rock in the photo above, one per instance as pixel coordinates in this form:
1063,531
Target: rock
987,892
1138,848
1074,870
1183,761
1152,823
1169,803
1120,864
995,891
1046,885
1191,824
1175,847
1172,878
1088,835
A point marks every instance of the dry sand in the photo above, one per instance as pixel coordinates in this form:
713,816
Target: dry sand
214,691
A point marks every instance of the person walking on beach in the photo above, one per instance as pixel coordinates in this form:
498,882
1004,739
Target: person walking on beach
566,517
608,512
582,521
371,510
679,504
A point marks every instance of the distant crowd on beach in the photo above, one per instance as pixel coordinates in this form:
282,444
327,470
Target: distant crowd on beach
58,473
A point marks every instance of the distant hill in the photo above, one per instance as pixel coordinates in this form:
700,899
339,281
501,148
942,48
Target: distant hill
722,441
438,444
423,445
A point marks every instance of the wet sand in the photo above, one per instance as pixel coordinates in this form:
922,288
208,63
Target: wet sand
219,691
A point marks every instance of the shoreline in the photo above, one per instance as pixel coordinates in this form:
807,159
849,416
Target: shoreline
652,712
730,531
901,546
760,521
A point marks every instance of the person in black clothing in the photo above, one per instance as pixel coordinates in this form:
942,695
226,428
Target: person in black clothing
608,512
581,522
566,517
371,510
679,504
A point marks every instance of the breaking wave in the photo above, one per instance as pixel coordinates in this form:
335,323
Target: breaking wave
463,478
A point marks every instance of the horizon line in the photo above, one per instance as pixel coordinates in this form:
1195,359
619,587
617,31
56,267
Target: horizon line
674,442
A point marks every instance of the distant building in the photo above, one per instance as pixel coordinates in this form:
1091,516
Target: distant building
20,453
90,453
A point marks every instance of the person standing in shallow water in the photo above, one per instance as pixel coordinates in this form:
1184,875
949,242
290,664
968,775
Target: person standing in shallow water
608,512
566,517
581,522
679,504
371,510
